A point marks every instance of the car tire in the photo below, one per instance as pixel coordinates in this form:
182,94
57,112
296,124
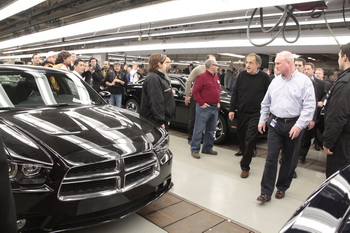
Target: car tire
221,130
132,105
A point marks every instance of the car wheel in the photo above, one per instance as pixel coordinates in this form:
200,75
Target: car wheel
221,130
132,105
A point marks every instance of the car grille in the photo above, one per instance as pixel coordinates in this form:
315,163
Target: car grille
108,177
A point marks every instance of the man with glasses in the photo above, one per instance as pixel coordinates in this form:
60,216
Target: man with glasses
189,99
206,93
247,94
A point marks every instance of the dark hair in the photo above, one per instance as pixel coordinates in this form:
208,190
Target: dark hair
34,55
310,64
92,58
76,62
300,59
153,61
345,49
62,56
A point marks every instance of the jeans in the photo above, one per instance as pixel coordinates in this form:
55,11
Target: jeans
206,119
116,100
191,118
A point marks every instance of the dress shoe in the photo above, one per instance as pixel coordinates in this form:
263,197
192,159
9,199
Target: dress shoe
317,147
239,153
280,194
263,198
302,159
195,155
294,175
189,141
244,174
211,152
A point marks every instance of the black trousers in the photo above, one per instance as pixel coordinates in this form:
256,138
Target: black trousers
191,118
341,155
278,139
319,129
247,132
306,142
7,205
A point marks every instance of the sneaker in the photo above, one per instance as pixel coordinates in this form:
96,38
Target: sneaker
195,155
211,152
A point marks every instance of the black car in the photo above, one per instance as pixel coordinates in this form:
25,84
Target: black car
223,127
327,209
73,159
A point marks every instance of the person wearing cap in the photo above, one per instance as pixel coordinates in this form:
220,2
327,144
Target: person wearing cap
50,59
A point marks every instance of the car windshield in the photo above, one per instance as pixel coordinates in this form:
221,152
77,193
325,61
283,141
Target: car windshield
37,89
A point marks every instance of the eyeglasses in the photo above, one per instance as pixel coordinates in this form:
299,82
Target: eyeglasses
215,65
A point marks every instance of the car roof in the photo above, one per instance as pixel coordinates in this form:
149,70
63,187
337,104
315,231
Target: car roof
41,69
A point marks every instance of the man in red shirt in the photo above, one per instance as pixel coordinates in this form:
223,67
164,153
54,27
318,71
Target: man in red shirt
206,92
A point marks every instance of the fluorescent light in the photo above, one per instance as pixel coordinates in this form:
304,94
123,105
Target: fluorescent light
232,55
17,7
233,43
157,12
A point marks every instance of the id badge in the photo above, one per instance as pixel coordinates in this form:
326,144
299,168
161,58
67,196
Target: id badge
273,123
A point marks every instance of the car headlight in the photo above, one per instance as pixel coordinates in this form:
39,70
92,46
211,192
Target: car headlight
27,174
162,150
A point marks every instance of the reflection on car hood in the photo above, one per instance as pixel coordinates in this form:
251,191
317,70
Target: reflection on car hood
88,133
326,210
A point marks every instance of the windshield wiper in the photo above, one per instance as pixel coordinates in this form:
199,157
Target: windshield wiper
5,108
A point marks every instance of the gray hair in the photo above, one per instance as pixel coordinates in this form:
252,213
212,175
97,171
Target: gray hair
208,63
287,56
257,58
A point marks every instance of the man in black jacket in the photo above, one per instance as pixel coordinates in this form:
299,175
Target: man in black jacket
320,92
95,74
115,82
337,117
249,91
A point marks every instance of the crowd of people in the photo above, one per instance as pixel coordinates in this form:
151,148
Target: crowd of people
294,103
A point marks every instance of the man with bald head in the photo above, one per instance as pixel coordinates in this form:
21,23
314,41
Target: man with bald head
287,108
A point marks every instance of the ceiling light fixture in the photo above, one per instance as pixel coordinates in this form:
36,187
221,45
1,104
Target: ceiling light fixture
157,12
327,42
17,7
232,55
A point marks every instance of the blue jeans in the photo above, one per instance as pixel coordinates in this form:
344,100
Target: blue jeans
205,120
116,100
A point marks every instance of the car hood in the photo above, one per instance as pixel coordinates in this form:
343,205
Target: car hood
77,135
327,209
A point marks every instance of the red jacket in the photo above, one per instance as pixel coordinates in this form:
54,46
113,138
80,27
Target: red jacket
206,89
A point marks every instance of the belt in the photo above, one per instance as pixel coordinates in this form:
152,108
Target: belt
286,120
213,105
